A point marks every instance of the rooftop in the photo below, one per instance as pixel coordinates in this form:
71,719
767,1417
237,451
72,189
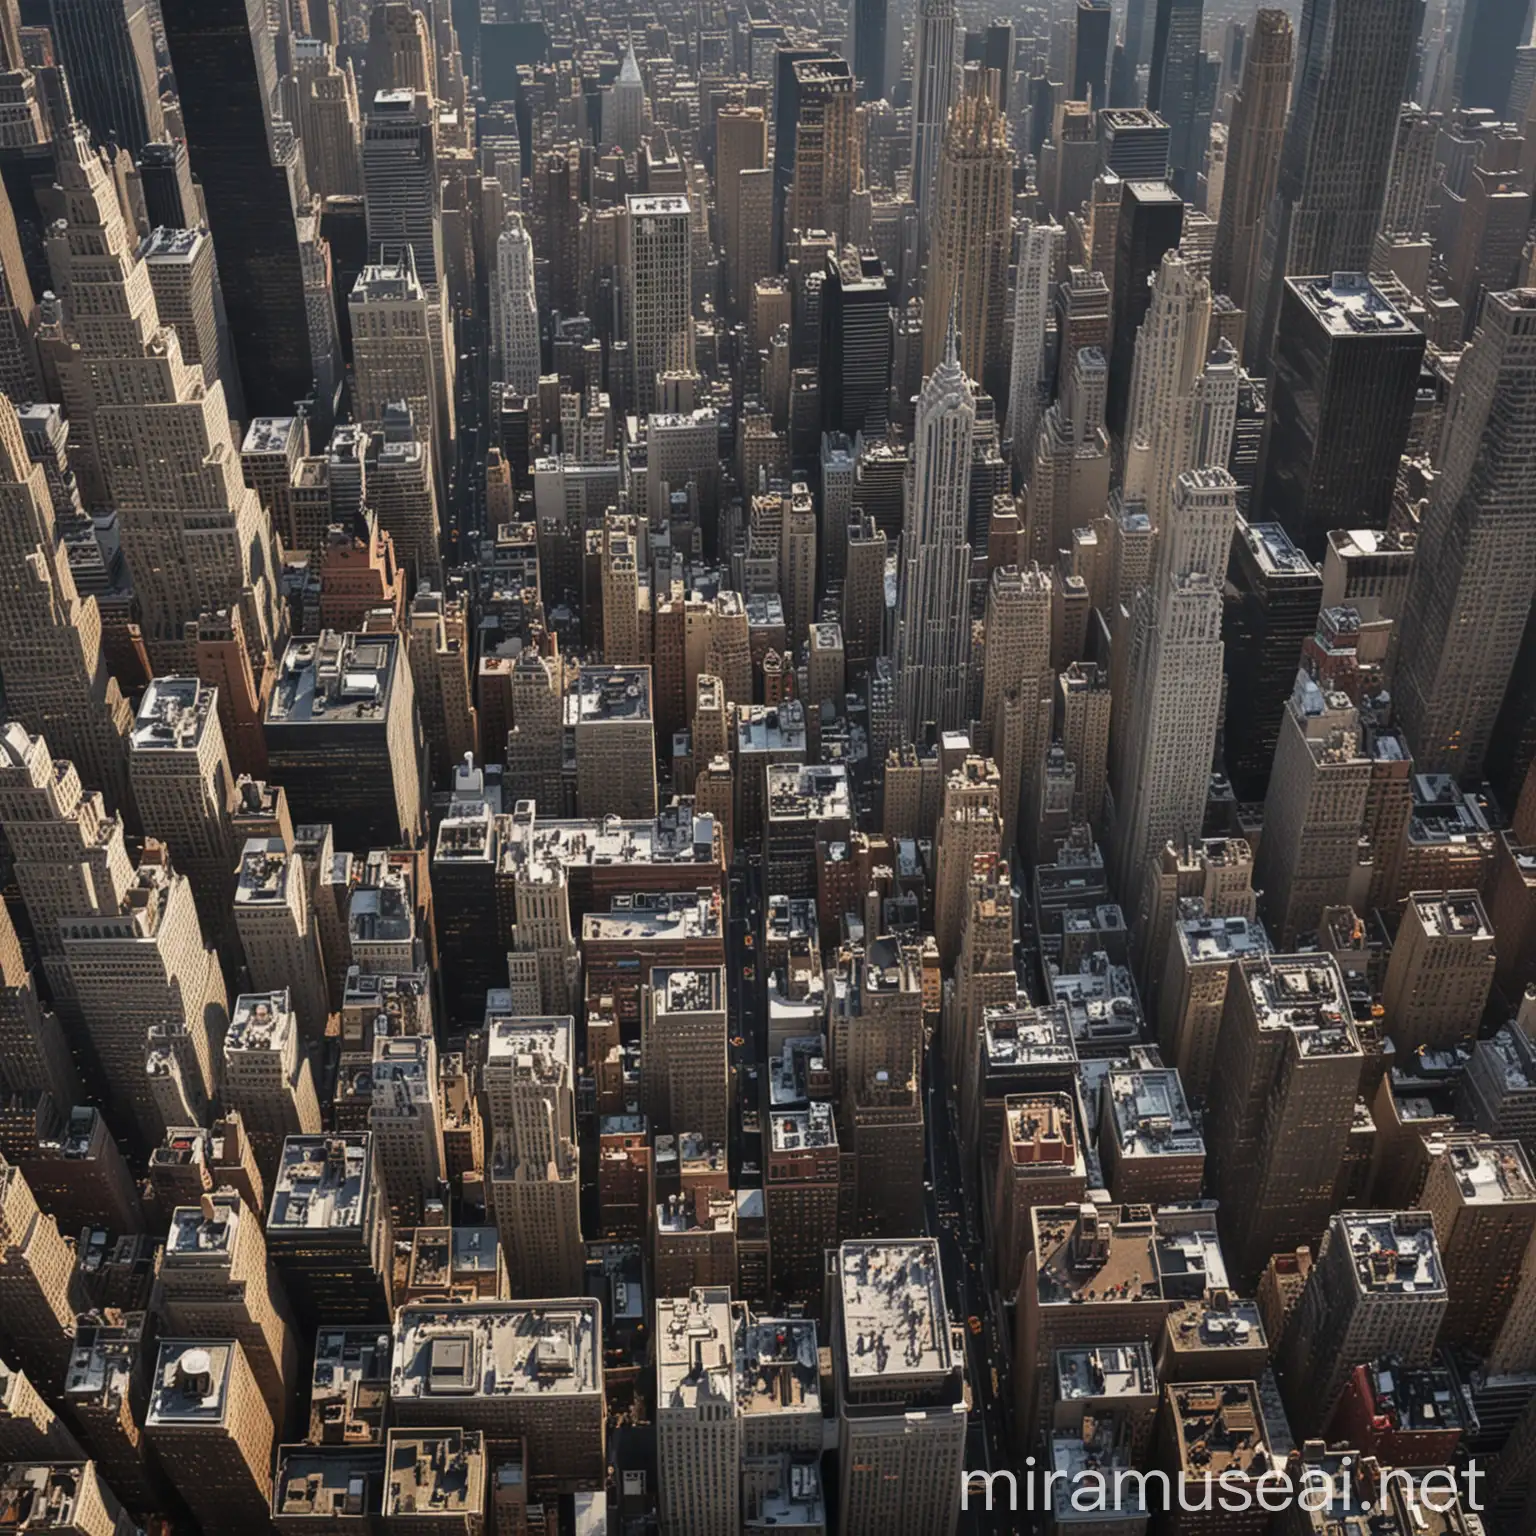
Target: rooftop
496,1349
204,1232
540,1049
262,1021
328,1482
1151,1115
894,1318
264,868
696,989
1104,1370
1218,1321
795,1130
336,679
1452,914
1207,940
1490,1173
1090,1253
435,1472
777,1369
1274,553
1349,304
191,1382
1220,1428
322,1181
1025,1036
695,1345
1394,1252
172,715
1305,994
41,1495
601,695
818,792
655,917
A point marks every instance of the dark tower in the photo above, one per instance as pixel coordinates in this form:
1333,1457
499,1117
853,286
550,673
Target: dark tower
1151,221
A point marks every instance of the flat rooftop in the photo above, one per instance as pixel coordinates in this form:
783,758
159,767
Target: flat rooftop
336,679
777,1368
1024,1036
1350,304
795,1130
1216,940
690,989
894,1318
603,695
44,1496
676,836
173,715
1274,552
204,1232
333,1482
541,1048
191,1382
655,917
695,1347
1095,1254
497,1349
1394,1252
1105,1370
1220,1322
1452,914
262,1021
1151,1115
1490,1173
809,793
322,1182
264,872
435,1473
1220,1428
668,203
1306,994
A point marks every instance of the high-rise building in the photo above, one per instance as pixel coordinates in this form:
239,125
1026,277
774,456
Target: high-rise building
40,1287
1440,971
1309,856
935,77
932,652
970,232
1488,38
1151,219
532,1174
1015,722
1040,1162
970,824
828,148
684,1051
1039,245
327,117
108,48
515,312
401,186
268,1078
56,678
29,1428
608,716
161,455
870,21
1068,483
656,269
1160,774
1254,137
1475,571
624,105
1173,89
1351,76
855,362
68,1491
226,82
406,1118
1376,1288
215,1283
901,1405
277,929
1284,1083
34,1055
1090,52
1345,382
698,1424
741,149
212,1431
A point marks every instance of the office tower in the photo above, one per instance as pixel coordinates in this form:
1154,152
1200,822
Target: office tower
141,964
56,678
1151,219
1161,772
1254,137
165,174
464,868
970,232
163,456
797,564
935,71
1283,1083
403,476
529,1370
515,358
984,973
803,1195
932,652
901,1408
863,595
1440,971
741,148
276,927
1039,246
406,1119
532,1183
1068,483
354,762
656,284
329,1232
215,1283
267,1077
698,1423
855,360
684,1053
1272,600
1090,52
1040,1163
401,183
1377,1287
1413,178
63,1493
184,791
212,1431
970,824
608,712
1475,570
1351,79
1489,35
827,126
1015,721
40,1287
1483,1201
395,358
1309,856
1173,88
870,23
1345,382
74,1168
34,1055
624,105
19,315
326,114
182,276
108,50
226,80
29,1429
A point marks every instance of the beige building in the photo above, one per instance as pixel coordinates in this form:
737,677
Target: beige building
741,144
518,1371
1218,870
406,1119
1440,971
65,1495
29,1428
533,1177
394,355
34,1054
1202,955
268,1077
608,712
216,1283
276,926
182,274
1040,1162
435,1482
698,1424
1149,1143
902,1394
970,823
212,1431
1015,722
655,280
684,1051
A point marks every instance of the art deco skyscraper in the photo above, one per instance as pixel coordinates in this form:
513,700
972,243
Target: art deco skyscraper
933,651
1167,720
325,112
698,1421
514,312
1015,722
656,282
226,81
828,147
56,680
936,50
158,450
741,144
1039,246
970,231
40,1287
1475,571
1253,156
1352,73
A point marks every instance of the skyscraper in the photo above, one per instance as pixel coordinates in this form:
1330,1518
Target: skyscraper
855,361
1039,246
401,187
932,650
1151,218
1254,137
1489,34
1173,88
1346,377
1475,571
226,78
935,62
515,312
970,231
109,51
828,148
1161,773
870,21
656,278
1352,63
